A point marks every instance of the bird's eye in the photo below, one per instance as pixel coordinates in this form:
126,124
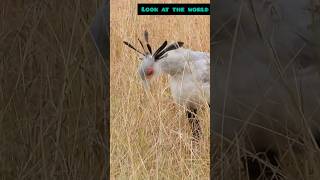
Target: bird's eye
140,58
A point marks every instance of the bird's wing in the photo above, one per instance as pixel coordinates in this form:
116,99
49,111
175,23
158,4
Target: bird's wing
198,63
201,65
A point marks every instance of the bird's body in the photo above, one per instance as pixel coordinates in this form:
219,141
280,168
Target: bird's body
189,73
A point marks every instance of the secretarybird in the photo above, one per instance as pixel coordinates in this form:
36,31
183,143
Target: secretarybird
189,73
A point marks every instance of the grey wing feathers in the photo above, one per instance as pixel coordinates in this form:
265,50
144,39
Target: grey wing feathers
202,66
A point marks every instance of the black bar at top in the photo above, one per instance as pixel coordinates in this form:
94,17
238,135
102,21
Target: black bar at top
173,9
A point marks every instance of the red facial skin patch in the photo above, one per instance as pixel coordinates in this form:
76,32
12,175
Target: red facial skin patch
150,71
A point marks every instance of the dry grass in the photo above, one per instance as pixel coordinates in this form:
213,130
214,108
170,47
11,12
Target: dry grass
51,103
150,135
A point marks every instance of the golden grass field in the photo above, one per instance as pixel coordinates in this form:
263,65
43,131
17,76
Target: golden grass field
150,134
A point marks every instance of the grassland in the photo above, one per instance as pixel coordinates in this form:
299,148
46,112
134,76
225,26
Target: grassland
150,135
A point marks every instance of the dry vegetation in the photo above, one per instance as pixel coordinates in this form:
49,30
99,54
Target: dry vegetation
51,103
150,135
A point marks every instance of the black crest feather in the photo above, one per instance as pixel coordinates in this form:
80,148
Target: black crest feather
144,50
149,48
160,48
130,46
146,36
172,46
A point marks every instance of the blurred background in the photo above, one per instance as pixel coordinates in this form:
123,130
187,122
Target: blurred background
51,91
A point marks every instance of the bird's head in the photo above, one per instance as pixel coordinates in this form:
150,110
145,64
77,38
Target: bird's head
149,67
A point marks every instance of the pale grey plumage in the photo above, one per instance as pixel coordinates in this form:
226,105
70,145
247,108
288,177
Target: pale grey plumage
189,76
